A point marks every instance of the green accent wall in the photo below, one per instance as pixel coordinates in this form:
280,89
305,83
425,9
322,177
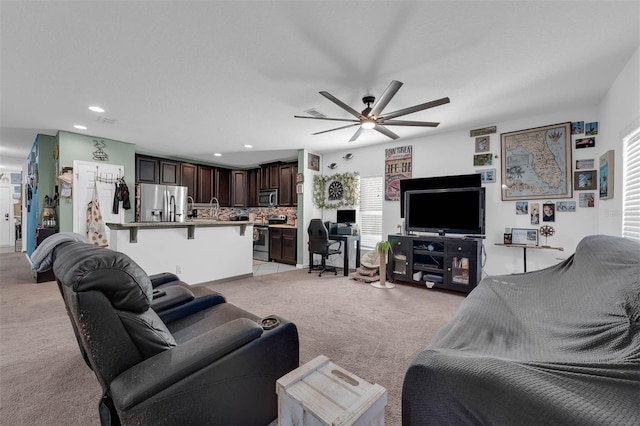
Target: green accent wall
76,147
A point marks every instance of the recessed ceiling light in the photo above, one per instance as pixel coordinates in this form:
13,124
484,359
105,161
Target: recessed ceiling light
96,109
217,154
79,126
248,146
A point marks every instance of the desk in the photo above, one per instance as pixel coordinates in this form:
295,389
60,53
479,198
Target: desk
347,241
524,248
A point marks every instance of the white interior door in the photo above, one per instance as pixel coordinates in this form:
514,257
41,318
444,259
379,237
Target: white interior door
6,215
104,175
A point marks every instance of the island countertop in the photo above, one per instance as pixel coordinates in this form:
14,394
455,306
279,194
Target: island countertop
191,225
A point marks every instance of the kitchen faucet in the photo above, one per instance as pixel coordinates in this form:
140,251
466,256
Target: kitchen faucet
193,204
172,211
213,212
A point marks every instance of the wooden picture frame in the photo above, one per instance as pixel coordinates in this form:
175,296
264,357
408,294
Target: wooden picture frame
313,162
536,163
525,236
585,180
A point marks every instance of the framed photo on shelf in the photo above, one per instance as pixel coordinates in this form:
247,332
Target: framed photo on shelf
584,180
524,236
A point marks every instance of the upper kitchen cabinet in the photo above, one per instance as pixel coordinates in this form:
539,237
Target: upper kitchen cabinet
169,172
223,186
253,183
147,169
239,188
189,178
205,185
274,176
287,178
157,170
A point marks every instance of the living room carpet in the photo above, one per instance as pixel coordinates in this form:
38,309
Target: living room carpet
370,332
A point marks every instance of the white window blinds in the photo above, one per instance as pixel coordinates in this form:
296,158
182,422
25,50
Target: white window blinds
631,189
370,211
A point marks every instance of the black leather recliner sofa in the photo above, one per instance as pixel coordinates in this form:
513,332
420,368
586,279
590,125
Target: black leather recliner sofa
200,360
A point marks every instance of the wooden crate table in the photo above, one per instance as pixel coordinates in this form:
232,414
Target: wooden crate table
322,393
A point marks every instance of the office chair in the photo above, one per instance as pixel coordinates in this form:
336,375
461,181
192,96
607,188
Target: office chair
319,243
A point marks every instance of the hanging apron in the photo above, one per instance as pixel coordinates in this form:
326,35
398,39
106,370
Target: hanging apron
96,229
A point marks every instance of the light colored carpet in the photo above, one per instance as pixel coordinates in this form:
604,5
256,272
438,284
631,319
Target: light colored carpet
371,332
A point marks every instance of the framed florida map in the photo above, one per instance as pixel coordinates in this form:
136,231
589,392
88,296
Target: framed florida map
536,163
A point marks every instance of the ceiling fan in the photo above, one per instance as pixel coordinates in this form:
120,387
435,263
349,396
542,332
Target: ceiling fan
372,118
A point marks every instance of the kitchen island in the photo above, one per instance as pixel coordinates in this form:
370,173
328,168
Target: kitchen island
197,251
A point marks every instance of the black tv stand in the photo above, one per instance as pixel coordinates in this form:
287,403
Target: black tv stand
436,261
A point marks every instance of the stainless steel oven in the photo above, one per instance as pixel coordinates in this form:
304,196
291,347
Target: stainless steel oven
261,242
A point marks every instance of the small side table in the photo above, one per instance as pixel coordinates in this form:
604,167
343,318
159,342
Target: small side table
524,248
322,393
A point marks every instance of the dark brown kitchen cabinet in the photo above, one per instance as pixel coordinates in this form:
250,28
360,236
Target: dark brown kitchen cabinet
274,176
238,188
283,245
284,192
294,180
188,178
223,186
147,169
253,182
169,172
264,177
205,185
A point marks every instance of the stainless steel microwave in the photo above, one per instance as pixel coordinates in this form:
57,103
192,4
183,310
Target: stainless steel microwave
268,198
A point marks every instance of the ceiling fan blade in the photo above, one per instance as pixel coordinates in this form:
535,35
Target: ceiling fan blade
389,93
356,134
416,108
386,132
337,128
408,123
330,119
341,104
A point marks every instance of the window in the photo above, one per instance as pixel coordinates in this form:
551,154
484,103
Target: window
631,189
371,197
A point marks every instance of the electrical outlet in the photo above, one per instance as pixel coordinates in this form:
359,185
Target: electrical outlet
178,269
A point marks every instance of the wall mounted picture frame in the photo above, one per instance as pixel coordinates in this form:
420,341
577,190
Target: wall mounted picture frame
535,213
591,129
483,160
587,199
585,180
524,236
487,176
483,143
585,143
313,162
606,175
533,170
566,206
577,127
588,163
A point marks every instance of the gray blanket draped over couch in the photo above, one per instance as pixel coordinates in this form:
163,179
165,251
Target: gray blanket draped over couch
555,346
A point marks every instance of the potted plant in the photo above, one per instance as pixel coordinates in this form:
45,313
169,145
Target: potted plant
383,248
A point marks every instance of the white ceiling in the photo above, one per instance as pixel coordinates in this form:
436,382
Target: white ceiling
189,79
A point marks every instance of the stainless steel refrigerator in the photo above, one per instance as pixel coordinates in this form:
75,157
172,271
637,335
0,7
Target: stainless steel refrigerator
163,203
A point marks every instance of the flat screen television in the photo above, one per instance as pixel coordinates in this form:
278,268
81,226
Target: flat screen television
438,182
346,216
446,211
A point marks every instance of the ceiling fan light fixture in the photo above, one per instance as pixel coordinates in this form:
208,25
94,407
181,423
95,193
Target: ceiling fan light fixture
368,124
